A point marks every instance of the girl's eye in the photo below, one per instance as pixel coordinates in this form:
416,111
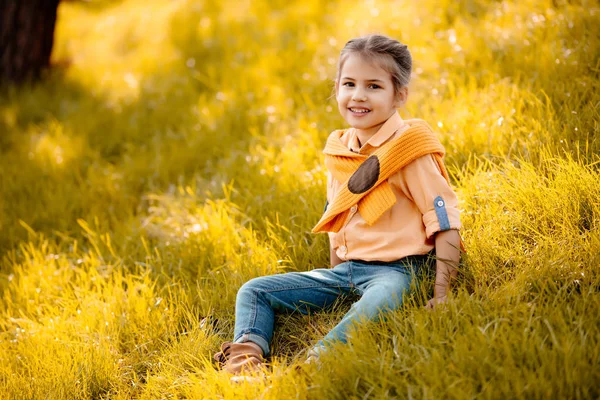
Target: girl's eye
374,86
348,84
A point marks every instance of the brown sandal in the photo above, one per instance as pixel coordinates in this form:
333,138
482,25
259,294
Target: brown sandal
237,358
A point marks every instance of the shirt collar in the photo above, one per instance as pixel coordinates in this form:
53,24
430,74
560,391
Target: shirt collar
386,131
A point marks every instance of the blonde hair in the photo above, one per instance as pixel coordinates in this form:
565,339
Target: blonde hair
390,54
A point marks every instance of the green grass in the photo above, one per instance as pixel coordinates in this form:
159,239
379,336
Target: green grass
174,153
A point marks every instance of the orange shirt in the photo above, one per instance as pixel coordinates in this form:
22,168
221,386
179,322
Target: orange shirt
425,204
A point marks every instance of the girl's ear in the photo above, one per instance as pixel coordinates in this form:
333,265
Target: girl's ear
401,96
337,87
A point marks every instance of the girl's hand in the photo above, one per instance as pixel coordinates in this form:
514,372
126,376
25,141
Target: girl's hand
440,293
436,300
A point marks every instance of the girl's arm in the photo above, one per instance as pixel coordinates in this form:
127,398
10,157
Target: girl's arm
447,250
335,260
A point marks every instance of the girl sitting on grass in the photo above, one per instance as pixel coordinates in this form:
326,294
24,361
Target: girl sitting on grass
389,205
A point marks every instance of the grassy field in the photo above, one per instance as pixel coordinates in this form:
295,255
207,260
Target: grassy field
174,152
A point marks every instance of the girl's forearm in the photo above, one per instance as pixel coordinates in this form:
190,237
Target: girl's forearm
335,260
447,249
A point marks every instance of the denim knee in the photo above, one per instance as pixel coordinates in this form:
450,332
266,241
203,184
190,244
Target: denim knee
251,288
384,297
393,293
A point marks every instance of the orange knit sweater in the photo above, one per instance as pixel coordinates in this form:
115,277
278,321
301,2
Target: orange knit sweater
365,177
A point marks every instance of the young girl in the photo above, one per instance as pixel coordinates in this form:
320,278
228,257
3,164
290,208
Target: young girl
389,204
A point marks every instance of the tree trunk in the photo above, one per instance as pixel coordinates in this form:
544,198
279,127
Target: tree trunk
26,38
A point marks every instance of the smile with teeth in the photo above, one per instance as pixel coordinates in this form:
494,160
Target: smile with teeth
359,110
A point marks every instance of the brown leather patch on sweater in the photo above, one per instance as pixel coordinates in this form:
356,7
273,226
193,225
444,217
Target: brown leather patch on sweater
365,177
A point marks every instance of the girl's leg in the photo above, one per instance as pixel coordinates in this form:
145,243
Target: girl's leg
382,288
259,299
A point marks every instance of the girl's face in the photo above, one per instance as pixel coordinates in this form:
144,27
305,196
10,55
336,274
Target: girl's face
365,95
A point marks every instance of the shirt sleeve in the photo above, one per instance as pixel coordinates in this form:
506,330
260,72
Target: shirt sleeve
329,187
424,184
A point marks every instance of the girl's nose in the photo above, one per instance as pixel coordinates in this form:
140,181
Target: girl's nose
359,96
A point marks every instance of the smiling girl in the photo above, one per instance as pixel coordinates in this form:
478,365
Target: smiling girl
389,209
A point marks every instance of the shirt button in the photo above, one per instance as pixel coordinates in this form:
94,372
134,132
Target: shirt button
353,208
343,248
440,203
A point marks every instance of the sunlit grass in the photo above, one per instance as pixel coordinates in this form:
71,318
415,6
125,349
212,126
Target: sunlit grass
175,152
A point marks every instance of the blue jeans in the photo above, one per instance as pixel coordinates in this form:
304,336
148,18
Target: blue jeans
380,286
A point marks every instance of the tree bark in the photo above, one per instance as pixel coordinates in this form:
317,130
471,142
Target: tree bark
26,38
